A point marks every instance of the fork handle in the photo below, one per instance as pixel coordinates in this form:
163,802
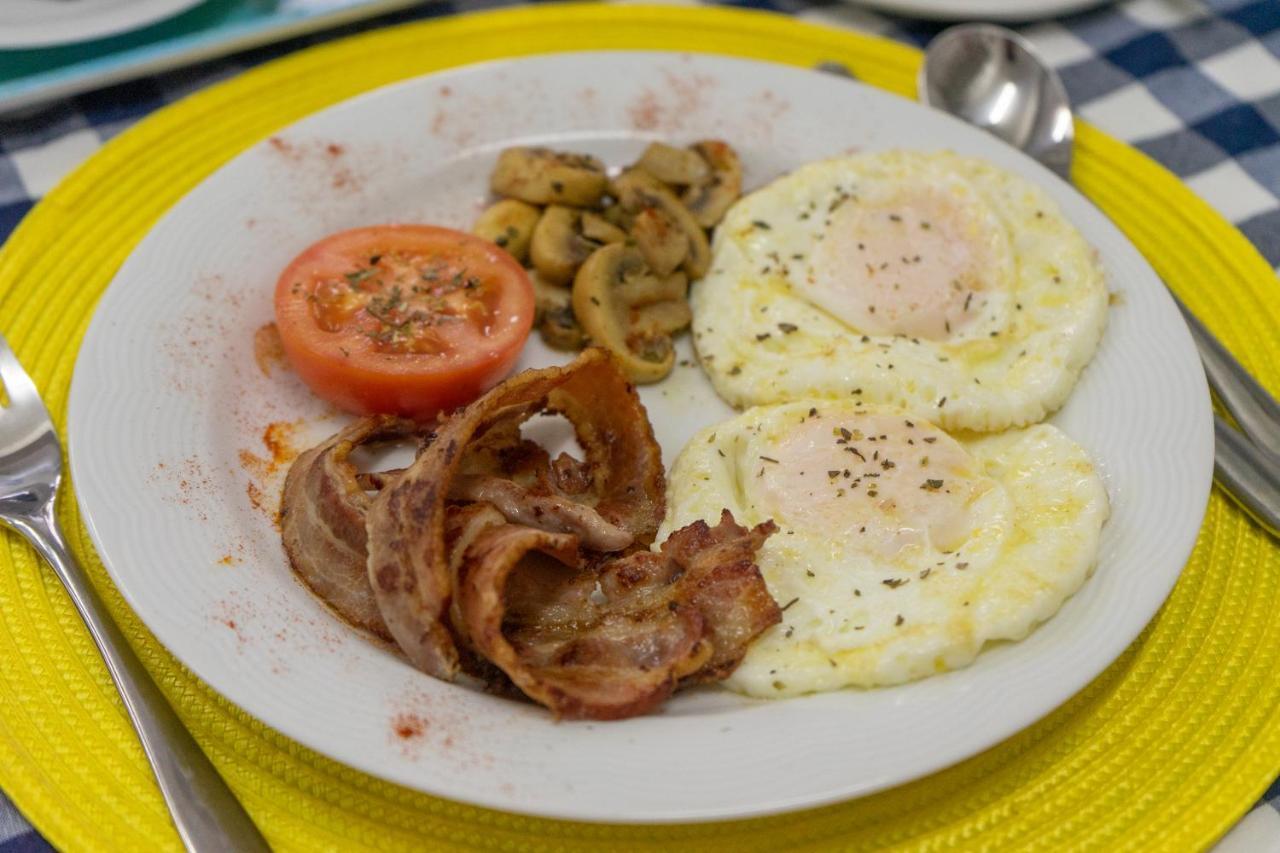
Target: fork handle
1254,409
207,815
1251,478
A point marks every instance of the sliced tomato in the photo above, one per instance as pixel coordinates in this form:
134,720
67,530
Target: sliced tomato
403,319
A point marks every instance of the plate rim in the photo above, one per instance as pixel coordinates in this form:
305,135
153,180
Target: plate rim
1009,11
500,802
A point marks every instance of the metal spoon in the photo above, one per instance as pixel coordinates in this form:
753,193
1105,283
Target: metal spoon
992,78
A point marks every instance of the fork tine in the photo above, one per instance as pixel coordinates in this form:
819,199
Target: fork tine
17,383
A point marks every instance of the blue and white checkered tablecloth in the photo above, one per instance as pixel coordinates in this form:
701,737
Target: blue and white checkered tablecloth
1193,83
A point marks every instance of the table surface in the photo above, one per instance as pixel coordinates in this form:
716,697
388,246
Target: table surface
1195,84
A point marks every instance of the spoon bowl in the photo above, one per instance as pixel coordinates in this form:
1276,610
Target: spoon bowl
993,78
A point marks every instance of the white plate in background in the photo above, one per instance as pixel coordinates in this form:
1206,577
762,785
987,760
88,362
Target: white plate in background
44,23
981,10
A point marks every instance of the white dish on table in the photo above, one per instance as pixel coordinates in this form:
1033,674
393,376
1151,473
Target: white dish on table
167,400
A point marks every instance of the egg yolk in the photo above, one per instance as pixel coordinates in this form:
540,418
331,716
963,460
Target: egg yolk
883,481
910,263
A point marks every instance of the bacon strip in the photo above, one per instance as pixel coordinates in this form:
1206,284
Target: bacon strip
722,581
616,639
488,557
322,519
551,512
409,565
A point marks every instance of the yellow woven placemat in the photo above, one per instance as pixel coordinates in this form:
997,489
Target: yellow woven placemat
1165,750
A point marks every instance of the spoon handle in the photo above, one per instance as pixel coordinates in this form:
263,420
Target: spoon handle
1255,410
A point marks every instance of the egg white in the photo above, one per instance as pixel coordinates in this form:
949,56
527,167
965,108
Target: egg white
763,335
958,543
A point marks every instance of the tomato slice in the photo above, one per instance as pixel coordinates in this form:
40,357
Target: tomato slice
403,319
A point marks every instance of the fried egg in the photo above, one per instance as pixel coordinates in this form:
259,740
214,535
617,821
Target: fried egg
901,550
926,280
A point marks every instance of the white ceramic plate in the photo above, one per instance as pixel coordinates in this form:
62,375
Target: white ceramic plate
168,412
44,23
981,10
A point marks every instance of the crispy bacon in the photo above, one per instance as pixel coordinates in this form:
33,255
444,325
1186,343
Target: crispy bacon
614,639
409,565
322,519
487,556
722,581
546,511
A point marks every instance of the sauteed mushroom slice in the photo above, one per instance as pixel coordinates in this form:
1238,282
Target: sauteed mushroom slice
680,166
640,290
638,191
660,239
617,217
633,177
543,176
560,329
661,319
558,246
637,332
510,224
596,227
708,200
555,319
658,305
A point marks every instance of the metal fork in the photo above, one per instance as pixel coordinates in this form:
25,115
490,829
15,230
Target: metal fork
207,815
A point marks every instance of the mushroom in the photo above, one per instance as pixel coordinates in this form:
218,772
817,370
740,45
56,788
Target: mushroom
559,247
661,318
614,215
708,201
639,333
641,290
660,239
637,190
633,176
510,224
543,176
680,166
560,329
553,308
598,228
